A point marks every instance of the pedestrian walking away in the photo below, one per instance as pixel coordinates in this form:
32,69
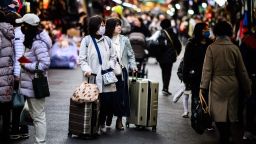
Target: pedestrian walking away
225,75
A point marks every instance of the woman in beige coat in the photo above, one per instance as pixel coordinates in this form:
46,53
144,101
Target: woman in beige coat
225,75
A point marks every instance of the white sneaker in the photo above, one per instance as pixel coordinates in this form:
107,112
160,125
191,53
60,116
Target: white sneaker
185,115
103,129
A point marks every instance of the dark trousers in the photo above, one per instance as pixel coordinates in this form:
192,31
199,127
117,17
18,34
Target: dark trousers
194,98
121,99
5,112
106,106
227,130
166,74
16,122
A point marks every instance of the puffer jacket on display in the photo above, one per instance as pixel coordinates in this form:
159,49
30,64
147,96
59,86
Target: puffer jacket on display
6,61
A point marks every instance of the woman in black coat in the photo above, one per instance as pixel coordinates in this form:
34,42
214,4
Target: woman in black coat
194,58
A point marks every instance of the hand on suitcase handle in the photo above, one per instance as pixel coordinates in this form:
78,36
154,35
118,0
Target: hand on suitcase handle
89,77
134,76
88,73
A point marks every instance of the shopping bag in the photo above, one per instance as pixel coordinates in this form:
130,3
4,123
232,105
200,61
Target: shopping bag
25,117
200,118
86,92
40,84
17,99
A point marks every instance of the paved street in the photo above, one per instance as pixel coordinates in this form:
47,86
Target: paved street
171,128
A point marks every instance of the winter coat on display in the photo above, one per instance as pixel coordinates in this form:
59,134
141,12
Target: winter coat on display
225,75
64,56
39,52
6,61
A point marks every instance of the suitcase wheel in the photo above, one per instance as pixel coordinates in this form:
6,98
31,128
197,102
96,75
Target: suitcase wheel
154,129
140,126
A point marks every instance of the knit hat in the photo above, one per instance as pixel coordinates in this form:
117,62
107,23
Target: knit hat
118,9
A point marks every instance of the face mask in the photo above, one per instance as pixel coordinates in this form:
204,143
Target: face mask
101,30
206,34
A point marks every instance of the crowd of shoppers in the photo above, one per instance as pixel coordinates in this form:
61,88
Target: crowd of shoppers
213,67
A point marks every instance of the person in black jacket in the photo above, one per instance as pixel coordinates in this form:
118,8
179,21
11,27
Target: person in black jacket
168,48
194,58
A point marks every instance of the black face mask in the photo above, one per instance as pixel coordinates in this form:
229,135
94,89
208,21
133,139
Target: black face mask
30,33
24,29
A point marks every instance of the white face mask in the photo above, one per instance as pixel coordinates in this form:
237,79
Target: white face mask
101,30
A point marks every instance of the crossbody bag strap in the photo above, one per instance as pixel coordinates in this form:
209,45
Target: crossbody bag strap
37,70
170,39
97,49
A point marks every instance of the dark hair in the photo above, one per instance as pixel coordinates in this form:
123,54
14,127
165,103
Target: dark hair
166,23
30,34
94,24
11,17
198,30
2,15
222,28
110,26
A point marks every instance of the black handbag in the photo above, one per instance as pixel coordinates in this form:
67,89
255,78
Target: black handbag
200,118
40,84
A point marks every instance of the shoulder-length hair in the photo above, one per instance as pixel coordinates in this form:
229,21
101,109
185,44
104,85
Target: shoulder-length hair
198,30
111,25
94,24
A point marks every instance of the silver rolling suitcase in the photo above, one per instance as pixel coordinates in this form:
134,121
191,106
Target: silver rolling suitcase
143,103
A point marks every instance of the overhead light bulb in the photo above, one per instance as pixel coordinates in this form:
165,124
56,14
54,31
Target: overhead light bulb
204,5
190,11
221,2
177,6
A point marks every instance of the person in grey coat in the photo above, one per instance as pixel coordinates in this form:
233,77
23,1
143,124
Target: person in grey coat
16,131
37,44
225,75
6,71
125,61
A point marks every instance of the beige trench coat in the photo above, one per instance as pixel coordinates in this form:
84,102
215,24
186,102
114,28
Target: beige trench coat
224,74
